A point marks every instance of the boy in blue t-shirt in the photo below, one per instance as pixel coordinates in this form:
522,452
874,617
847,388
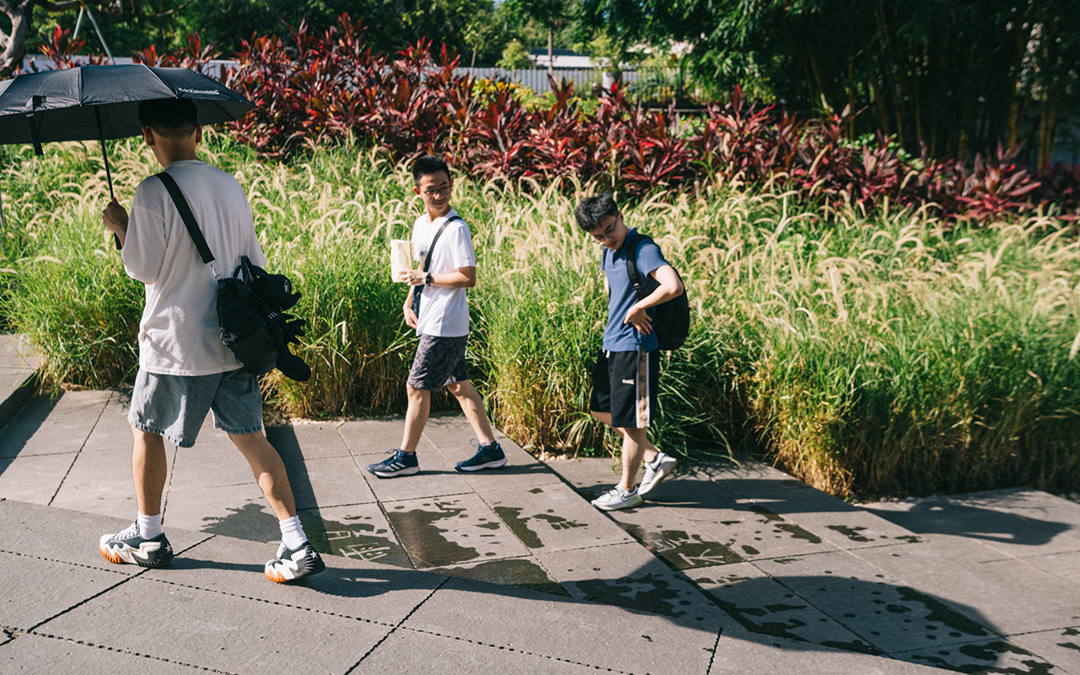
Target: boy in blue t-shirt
624,378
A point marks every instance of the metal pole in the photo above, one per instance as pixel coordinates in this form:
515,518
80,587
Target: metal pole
99,35
78,23
105,156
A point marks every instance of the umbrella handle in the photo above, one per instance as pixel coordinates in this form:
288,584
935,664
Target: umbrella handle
105,156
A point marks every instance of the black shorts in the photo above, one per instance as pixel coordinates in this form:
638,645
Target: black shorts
624,384
439,361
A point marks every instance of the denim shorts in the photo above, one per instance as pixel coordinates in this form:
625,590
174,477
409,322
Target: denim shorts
175,406
439,361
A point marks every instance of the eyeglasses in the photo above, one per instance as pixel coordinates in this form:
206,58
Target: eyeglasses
439,191
608,232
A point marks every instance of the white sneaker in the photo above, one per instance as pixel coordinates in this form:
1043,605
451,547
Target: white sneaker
656,472
617,498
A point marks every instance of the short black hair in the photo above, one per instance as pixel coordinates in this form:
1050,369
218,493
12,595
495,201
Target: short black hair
428,165
170,117
592,210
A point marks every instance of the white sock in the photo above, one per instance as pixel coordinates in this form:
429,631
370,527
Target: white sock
149,526
292,533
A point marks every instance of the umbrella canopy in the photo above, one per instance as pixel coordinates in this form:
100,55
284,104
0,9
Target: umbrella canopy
102,102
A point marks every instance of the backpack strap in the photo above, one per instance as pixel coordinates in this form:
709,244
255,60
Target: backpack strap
189,219
631,262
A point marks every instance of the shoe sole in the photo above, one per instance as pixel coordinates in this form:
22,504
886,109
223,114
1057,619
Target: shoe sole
489,465
403,472
618,507
279,578
126,556
646,490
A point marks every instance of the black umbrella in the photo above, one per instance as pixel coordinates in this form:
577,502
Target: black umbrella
102,102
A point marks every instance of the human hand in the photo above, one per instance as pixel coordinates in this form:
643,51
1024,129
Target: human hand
413,277
115,218
639,318
410,315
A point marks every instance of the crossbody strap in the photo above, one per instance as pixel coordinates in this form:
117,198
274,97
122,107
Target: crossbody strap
189,219
431,249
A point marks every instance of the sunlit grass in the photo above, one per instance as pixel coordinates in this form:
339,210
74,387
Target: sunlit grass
869,354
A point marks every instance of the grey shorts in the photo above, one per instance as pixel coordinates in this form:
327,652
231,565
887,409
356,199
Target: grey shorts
175,406
439,361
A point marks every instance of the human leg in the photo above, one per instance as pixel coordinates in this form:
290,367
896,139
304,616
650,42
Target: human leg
473,406
489,454
269,472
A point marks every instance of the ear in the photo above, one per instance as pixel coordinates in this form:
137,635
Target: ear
416,190
148,136
198,134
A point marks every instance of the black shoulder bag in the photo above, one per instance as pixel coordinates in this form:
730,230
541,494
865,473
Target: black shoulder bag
250,306
418,290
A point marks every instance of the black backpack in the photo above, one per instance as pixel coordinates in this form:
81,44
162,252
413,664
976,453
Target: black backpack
671,319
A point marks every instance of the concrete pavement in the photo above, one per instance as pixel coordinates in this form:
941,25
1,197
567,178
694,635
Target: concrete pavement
730,567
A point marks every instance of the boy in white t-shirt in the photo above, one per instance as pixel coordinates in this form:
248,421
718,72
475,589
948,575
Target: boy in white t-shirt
442,324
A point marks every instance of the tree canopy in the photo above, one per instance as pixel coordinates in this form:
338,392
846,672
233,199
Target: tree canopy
957,75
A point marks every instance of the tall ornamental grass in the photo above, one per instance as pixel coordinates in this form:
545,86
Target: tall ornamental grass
869,354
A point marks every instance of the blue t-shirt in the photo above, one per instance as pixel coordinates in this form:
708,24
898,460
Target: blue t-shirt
620,337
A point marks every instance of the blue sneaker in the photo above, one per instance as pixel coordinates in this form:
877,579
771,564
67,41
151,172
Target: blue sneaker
401,464
488,456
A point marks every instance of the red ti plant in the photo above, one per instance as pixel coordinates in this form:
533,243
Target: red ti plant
995,186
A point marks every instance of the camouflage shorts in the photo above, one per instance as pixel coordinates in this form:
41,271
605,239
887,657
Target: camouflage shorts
439,361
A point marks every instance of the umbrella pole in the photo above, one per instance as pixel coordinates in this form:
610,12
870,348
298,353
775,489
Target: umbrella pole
105,156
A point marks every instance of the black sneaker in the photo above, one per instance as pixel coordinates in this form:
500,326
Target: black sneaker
488,456
290,565
129,547
401,464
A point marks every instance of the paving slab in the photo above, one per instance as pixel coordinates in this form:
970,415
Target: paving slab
738,653
48,425
238,511
553,517
331,481
409,651
525,572
437,478
348,588
374,436
359,531
878,607
218,630
601,636
34,654
766,608
995,655
36,589
628,576
1009,594
679,542
1016,522
34,479
443,531
313,440
1060,647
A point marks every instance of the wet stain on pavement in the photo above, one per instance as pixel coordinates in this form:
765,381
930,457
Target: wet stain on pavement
516,572
511,515
991,657
777,521
682,550
420,534
851,533
941,613
356,539
519,526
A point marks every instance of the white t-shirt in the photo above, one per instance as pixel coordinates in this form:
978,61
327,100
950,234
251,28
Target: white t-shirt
444,312
179,332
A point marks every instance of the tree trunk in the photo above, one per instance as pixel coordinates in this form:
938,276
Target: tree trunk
21,15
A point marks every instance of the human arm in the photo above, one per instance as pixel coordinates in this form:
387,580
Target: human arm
462,277
670,286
